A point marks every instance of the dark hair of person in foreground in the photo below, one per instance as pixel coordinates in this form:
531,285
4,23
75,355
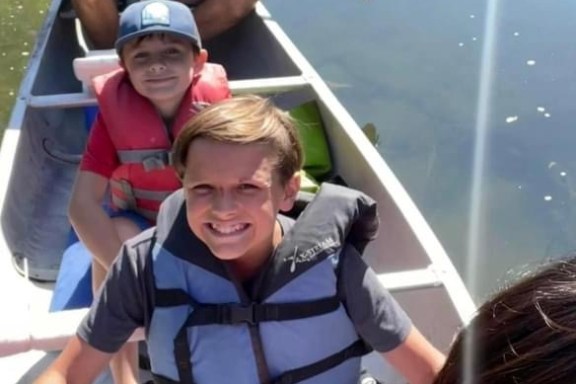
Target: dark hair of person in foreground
525,334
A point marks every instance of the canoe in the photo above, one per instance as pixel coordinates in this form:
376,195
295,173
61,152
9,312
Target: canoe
47,132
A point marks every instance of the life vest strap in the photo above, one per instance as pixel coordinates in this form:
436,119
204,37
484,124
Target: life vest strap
234,313
126,205
128,201
183,356
150,159
356,349
163,380
173,297
139,193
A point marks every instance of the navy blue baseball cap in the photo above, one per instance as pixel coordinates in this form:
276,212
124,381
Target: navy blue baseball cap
145,17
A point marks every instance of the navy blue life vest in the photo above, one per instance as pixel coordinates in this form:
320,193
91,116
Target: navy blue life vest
293,327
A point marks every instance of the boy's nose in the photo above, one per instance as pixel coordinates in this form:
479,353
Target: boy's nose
223,203
157,67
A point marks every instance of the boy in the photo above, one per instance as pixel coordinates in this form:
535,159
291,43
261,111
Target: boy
163,82
231,291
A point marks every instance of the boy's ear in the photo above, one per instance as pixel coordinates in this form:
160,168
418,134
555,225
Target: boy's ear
121,63
291,189
200,59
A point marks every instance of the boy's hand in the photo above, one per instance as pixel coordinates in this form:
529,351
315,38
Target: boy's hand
416,359
78,363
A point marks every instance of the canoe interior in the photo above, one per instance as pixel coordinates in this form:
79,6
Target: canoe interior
34,221
34,215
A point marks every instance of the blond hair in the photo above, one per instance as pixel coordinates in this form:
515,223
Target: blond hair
244,120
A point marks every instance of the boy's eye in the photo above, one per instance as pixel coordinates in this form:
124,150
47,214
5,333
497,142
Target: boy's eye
201,189
172,51
140,56
247,187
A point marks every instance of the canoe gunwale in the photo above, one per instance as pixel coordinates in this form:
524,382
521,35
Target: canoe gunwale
260,86
432,247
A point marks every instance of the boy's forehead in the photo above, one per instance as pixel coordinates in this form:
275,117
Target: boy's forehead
255,149
164,37
212,158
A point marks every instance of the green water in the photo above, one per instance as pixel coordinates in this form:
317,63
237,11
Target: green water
19,22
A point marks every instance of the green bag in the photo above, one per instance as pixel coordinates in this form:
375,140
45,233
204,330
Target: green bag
317,160
308,183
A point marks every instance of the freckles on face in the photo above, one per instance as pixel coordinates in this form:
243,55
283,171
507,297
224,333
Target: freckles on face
232,196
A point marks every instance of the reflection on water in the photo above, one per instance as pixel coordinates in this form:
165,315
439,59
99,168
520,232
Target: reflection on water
19,21
411,69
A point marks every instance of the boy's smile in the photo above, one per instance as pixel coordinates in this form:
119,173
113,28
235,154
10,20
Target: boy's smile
233,194
161,68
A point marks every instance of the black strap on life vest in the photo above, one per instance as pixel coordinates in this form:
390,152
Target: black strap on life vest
182,356
356,349
235,313
163,380
173,297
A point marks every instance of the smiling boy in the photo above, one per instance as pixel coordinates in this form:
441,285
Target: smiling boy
164,80
230,290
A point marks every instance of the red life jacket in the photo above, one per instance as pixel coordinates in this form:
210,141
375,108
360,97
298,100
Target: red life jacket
143,142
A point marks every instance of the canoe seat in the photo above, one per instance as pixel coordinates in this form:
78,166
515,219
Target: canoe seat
95,63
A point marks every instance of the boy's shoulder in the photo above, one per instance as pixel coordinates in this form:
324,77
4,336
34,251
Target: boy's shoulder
109,79
211,85
169,210
141,243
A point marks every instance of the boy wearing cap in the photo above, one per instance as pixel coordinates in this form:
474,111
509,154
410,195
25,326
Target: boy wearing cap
163,82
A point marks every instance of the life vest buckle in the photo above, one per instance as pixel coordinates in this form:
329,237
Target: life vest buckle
158,160
242,314
129,201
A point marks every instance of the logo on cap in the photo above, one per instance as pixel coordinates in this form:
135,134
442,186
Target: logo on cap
155,14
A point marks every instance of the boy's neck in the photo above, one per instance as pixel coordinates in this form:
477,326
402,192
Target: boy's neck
167,110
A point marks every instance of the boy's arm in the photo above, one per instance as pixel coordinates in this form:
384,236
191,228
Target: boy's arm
114,315
216,16
91,222
383,324
78,363
100,20
416,359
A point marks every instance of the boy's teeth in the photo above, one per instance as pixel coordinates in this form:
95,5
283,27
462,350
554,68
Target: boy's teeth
227,229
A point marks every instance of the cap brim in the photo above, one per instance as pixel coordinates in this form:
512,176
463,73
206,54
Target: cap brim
124,39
